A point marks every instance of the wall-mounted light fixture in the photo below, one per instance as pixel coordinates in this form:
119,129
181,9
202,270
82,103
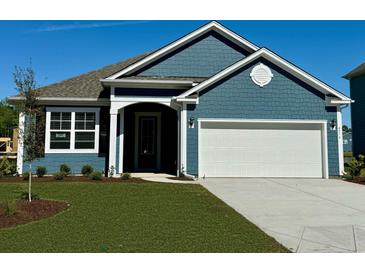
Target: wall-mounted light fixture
333,125
191,122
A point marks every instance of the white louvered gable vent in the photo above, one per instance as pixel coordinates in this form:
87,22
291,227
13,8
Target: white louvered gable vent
261,75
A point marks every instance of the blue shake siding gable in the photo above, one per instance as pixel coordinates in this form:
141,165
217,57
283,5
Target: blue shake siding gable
203,57
285,97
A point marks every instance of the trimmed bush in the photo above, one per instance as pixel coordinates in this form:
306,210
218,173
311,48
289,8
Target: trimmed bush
86,170
65,169
96,175
25,195
59,176
25,175
125,176
41,171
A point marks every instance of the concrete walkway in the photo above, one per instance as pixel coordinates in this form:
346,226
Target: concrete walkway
161,177
305,215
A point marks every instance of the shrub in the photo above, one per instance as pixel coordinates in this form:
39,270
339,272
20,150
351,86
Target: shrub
25,175
59,176
25,194
96,175
355,166
7,167
87,170
125,176
41,171
9,207
347,154
65,169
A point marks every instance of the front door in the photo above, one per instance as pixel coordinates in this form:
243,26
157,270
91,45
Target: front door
147,142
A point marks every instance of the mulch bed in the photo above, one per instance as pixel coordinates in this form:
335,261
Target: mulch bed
182,178
356,180
27,212
69,179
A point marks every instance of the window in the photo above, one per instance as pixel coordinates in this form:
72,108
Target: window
60,130
72,130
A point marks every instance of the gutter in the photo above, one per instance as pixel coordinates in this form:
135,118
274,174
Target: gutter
147,83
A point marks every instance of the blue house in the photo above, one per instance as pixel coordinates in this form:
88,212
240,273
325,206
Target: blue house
210,104
357,91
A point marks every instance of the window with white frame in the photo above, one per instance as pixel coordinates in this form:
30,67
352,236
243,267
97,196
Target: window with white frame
72,130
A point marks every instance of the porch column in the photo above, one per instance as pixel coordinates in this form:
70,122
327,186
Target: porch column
20,152
183,125
113,141
121,140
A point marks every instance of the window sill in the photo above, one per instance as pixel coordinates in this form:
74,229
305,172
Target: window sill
69,151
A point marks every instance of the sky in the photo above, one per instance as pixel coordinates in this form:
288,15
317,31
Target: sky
62,49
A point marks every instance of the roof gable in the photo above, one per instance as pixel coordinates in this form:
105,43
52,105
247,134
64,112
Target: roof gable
212,26
276,60
202,57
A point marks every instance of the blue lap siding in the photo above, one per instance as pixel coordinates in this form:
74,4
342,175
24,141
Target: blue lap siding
75,161
285,97
200,58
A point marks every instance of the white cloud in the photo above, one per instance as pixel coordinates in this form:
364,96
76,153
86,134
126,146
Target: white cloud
78,25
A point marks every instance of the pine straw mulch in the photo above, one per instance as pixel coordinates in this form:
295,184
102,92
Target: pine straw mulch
28,212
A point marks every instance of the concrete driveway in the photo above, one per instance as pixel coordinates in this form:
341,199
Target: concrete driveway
305,215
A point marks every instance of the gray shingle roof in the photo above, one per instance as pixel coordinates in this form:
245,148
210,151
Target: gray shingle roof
88,84
360,70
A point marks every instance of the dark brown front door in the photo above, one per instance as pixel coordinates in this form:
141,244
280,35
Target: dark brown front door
147,143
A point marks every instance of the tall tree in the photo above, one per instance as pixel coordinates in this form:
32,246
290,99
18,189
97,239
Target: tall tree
24,79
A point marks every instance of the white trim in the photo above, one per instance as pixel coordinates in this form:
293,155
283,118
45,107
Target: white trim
124,101
279,121
277,60
323,124
178,165
183,142
340,141
121,139
187,100
142,99
72,130
113,142
68,100
184,40
147,83
136,140
20,152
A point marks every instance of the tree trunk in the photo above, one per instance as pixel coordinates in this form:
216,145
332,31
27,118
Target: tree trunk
30,183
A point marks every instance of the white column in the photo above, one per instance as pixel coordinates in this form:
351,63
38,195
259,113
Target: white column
121,140
113,139
183,123
178,142
20,152
340,141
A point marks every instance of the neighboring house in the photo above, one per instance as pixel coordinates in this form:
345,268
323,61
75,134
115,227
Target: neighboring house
210,104
357,93
347,141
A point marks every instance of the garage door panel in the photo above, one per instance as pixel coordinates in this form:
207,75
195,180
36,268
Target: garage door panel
260,150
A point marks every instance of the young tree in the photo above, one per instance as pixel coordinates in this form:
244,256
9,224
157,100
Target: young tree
33,113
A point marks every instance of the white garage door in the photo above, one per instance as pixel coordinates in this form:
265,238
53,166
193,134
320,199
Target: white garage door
248,149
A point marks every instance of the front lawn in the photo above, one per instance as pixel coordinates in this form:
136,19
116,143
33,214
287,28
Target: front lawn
133,217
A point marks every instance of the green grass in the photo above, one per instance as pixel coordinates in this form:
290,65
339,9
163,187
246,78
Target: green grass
133,217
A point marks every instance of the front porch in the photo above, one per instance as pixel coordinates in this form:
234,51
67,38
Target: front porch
145,137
